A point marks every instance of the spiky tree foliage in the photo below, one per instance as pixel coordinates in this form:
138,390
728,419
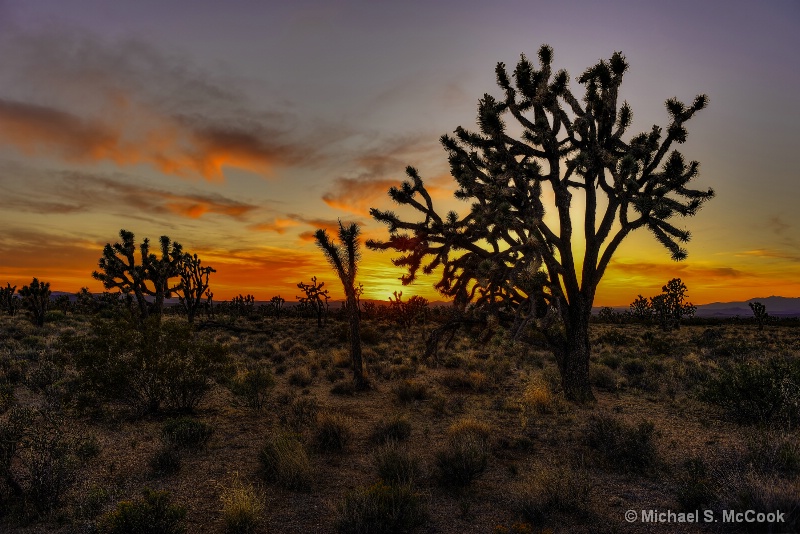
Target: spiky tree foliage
194,284
36,298
315,298
671,306
503,253
759,313
640,309
276,303
9,303
85,302
149,277
344,257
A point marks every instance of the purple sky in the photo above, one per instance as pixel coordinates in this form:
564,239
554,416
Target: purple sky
239,127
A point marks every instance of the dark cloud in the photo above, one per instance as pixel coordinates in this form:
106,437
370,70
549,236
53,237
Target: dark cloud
78,98
71,192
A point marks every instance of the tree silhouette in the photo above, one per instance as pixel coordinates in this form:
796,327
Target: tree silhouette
36,297
759,313
670,307
150,277
8,302
316,298
502,255
344,257
194,283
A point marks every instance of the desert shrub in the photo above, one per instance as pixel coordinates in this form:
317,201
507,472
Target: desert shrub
396,464
332,433
302,412
410,391
185,432
750,491
459,380
148,367
758,392
465,455
253,385
166,461
370,335
92,501
301,377
614,337
242,507
537,399
553,491
774,453
603,377
695,486
48,459
284,461
397,428
344,388
380,509
624,446
153,514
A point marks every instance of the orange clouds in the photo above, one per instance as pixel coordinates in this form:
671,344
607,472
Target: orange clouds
131,134
357,195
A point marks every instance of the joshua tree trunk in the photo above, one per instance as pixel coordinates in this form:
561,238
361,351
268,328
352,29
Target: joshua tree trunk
355,342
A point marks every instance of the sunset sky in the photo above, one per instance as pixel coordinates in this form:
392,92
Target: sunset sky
238,128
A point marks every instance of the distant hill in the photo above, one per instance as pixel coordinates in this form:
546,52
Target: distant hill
776,307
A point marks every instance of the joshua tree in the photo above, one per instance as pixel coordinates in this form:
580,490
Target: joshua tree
194,284
316,298
502,255
85,302
641,309
150,277
344,257
36,297
8,302
669,307
759,313
276,303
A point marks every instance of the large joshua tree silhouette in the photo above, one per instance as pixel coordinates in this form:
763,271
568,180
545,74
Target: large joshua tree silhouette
149,277
503,255
344,257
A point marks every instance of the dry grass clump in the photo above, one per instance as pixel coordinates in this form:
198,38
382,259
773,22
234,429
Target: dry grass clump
380,509
332,433
397,428
284,461
552,492
242,507
410,391
396,464
460,380
465,455
624,446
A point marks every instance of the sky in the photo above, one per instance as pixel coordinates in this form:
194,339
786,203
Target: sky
239,128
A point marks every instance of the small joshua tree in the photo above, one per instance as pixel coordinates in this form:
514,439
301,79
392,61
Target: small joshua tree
194,284
669,307
8,302
344,257
316,298
759,313
36,298
276,303
641,309
150,277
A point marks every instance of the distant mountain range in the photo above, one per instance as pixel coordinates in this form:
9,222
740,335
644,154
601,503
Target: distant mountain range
776,307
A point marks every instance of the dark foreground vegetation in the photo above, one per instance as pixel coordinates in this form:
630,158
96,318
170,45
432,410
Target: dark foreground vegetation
252,423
